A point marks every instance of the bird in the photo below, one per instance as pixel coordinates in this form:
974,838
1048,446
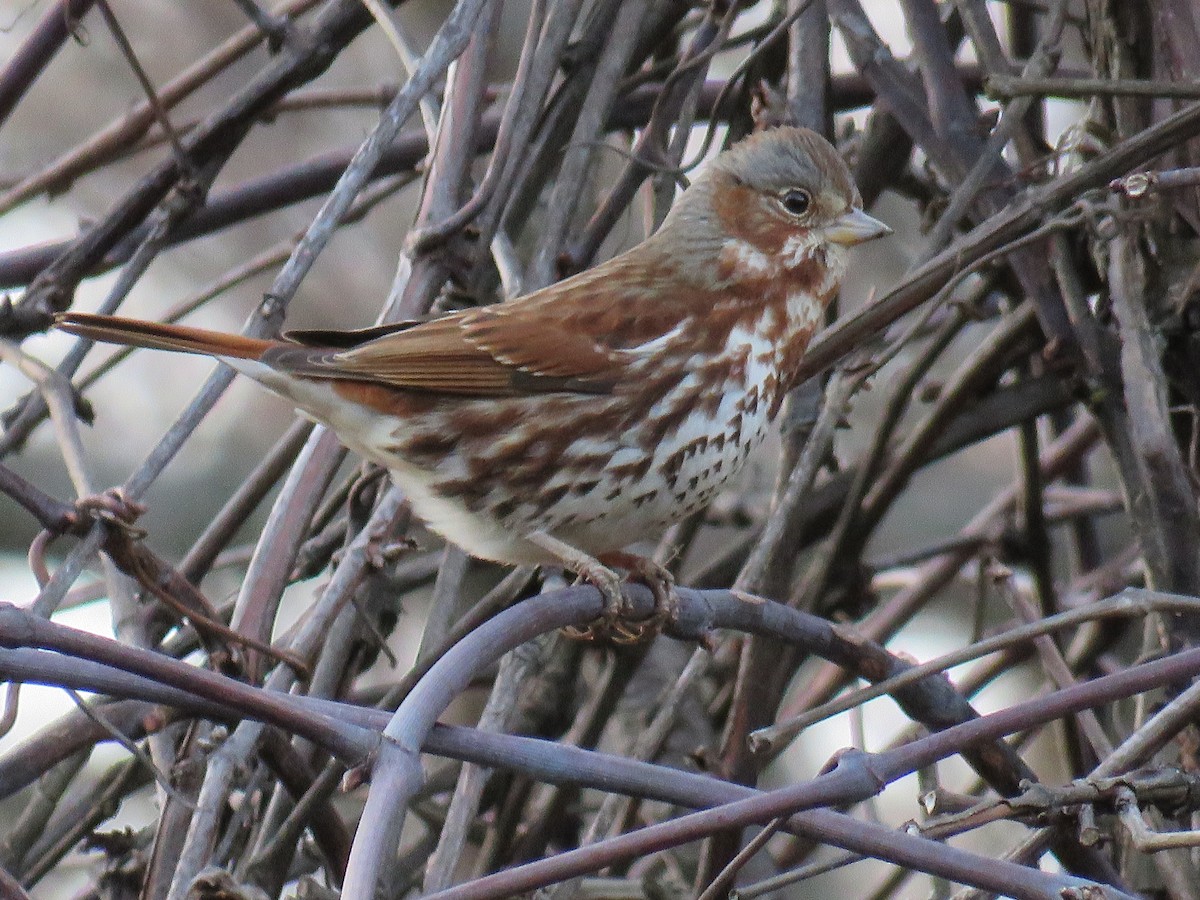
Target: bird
565,425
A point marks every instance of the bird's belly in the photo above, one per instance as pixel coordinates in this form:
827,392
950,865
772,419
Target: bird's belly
589,470
596,488
682,473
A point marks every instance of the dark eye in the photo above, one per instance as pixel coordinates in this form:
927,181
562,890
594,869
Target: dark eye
796,201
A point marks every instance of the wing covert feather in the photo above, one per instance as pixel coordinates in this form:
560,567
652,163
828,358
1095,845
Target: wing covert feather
550,340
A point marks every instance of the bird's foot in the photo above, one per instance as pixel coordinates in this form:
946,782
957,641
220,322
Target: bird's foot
616,622
613,623
662,585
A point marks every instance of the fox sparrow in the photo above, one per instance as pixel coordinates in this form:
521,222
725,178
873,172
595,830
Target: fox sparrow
564,425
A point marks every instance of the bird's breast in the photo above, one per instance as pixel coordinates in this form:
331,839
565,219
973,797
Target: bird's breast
599,471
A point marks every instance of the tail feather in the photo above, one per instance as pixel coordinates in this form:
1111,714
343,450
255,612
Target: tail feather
157,336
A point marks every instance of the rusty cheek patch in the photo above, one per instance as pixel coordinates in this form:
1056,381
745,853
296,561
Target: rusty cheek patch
743,215
747,215
731,202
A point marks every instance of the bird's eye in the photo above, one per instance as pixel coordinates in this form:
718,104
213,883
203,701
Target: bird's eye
796,201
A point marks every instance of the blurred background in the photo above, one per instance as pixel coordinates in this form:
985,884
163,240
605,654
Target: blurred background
220,278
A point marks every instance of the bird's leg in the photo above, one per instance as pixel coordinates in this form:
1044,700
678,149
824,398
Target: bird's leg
594,572
661,583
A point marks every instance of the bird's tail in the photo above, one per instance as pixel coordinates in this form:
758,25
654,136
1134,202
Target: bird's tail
157,336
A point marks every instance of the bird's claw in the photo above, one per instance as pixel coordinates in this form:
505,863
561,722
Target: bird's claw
662,585
666,602
613,622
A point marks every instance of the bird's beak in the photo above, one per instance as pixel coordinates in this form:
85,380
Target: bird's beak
854,227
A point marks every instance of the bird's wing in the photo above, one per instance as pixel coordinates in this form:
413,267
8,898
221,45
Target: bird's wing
482,353
578,336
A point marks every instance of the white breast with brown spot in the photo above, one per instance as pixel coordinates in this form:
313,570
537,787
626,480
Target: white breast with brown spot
691,462
601,509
